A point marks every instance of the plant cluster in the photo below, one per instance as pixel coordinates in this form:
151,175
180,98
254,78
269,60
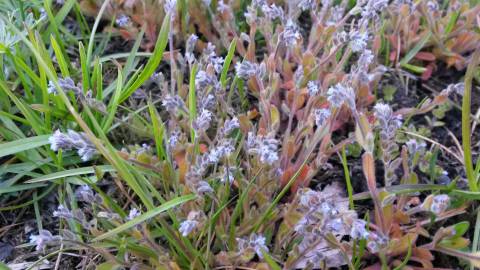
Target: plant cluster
210,147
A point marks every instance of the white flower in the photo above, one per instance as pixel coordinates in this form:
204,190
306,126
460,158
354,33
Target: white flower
255,242
43,239
187,226
321,115
122,20
312,88
272,12
291,34
203,121
388,122
63,212
265,148
191,223
340,93
170,7
306,4
173,103
230,125
73,140
246,69
358,40
358,230
440,203
134,212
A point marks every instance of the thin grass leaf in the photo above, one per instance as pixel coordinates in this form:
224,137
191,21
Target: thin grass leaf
409,56
269,260
21,145
148,215
192,101
71,172
466,133
152,63
17,188
228,61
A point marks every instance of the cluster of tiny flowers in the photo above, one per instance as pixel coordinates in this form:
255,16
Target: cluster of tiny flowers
76,215
84,194
203,121
265,148
306,4
227,175
312,88
173,103
122,20
415,147
358,40
192,222
373,8
364,60
133,213
189,47
432,6
340,93
43,239
73,140
272,11
210,57
224,149
336,15
291,34
323,212
194,177
458,88
246,70
388,122
203,79
321,116
375,241
230,125
439,204
67,84
255,243
170,7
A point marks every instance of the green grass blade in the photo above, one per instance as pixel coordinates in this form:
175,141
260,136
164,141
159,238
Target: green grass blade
17,188
192,101
409,56
148,215
21,145
228,61
61,60
466,133
152,63
91,40
112,107
71,172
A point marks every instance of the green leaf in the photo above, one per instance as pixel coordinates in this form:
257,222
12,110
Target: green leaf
19,188
21,145
108,266
148,215
273,265
72,172
4,266
416,49
460,228
228,61
192,101
152,63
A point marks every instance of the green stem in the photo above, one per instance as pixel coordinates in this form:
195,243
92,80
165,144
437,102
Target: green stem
466,104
